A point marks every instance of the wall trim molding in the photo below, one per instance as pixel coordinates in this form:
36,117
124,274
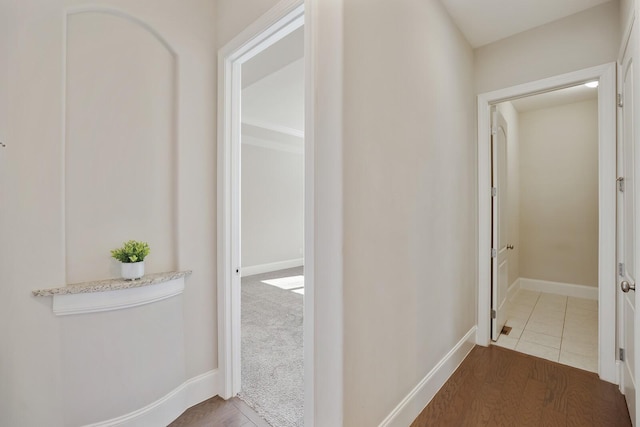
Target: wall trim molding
169,407
411,406
272,266
157,35
120,13
566,289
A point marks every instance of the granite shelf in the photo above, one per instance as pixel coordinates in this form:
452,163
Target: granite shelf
112,284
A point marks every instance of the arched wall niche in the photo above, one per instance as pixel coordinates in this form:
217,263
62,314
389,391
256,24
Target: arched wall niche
121,142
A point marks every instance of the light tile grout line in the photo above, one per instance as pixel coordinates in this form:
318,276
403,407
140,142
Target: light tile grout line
526,324
564,321
565,313
530,314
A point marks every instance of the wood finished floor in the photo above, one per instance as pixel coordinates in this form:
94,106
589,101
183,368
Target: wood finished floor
217,412
500,387
492,387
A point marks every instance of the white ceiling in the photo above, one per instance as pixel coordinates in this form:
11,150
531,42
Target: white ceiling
486,21
555,98
273,91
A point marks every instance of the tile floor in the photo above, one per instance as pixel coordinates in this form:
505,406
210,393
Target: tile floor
554,327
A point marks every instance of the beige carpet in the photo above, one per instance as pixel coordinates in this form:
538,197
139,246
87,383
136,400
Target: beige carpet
272,354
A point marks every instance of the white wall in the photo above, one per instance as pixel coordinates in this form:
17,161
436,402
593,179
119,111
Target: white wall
277,100
272,161
410,197
559,194
134,356
579,41
31,247
272,204
235,17
117,362
510,115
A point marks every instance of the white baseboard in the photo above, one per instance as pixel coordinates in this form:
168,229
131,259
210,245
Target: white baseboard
411,406
567,289
169,407
273,266
513,290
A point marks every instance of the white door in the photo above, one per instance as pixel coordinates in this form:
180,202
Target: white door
627,229
500,247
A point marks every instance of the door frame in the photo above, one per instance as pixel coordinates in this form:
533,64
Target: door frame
323,204
607,285
280,21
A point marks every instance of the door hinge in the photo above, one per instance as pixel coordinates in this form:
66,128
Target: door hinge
621,354
494,253
620,104
621,269
494,314
494,191
494,130
620,182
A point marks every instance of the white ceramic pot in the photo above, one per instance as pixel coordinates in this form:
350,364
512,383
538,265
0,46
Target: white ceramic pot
132,270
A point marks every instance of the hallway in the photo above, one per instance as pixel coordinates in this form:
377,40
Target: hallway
500,387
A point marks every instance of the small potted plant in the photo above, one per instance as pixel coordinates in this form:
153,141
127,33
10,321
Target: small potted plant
132,255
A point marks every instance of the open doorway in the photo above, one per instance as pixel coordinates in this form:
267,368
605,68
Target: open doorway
545,173
271,230
606,177
265,221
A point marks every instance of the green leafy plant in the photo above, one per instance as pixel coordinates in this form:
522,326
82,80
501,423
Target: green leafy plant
131,251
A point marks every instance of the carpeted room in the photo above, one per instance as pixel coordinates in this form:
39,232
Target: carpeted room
271,230
272,352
